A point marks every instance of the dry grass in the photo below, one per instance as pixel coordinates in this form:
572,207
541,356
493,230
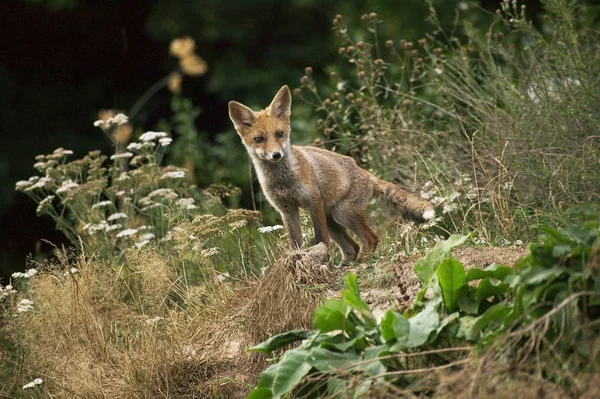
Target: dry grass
137,329
285,298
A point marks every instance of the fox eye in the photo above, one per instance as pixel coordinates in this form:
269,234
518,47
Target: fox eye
279,134
259,139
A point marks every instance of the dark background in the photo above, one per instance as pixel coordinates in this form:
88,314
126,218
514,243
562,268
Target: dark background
63,60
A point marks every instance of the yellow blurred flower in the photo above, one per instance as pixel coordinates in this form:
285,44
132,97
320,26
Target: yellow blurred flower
193,65
122,134
182,47
174,84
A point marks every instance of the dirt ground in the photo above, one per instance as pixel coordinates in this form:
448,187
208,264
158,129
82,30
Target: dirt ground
406,285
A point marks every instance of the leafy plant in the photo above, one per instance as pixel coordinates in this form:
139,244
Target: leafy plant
352,352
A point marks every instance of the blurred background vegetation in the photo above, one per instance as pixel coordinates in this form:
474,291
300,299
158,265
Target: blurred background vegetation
62,61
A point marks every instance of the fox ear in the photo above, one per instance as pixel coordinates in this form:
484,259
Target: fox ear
240,115
281,105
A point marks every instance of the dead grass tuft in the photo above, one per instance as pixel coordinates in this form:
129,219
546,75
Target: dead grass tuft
285,298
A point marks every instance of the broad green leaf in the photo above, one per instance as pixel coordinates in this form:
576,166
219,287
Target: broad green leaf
421,325
538,275
279,340
453,281
465,328
487,289
326,361
426,266
468,304
491,315
293,366
494,270
447,321
351,296
331,316
261,393
343,343
394,326
363,389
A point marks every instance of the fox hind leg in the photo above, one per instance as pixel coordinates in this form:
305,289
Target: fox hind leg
348,246
357,222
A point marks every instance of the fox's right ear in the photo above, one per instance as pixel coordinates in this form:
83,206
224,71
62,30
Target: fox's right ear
240,115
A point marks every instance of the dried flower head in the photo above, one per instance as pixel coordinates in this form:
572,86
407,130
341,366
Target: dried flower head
182,47
193,65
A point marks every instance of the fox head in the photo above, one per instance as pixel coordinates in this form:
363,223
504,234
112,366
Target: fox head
266,133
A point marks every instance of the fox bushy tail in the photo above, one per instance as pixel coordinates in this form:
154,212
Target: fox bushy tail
409,204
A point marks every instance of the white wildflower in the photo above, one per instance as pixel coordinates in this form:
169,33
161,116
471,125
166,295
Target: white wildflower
117,216
122,155
438,70
41,166
113,227
94,228
22,185
74,270
165,141
518,243
147,236
117,120
120,193
149,136
268,229
178,174
44,204
134,146
166,193
222,276
209,252
145,227
33,383
123,176
59,153
186,203
127,233
237,224
66,186
154,320
449,207
39,184
102,204
140,244
25,306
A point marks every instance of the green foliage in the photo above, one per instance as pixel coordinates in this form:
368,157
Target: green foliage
349,344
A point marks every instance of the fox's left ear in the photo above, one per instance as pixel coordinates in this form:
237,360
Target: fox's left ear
281,106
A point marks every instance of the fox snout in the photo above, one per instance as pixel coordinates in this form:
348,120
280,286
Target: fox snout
272,156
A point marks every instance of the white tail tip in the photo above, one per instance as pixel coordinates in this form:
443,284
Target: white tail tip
429,214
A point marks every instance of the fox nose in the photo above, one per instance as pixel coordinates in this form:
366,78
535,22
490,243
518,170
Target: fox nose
276,155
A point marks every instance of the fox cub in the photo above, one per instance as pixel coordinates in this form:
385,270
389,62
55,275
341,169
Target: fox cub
332,187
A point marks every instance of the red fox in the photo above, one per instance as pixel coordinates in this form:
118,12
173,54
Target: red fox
330,186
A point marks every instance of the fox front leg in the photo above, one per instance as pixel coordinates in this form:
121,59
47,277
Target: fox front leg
319,219
291,220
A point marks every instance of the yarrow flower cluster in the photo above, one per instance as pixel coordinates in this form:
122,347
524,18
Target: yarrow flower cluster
126,233
6,291
66,186
45,204
117,120
269,229
178,174
151,136
102,204
29,273
117,216
33,384
25,306
122,155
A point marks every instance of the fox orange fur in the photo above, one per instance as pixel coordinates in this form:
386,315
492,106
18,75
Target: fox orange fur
330,186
